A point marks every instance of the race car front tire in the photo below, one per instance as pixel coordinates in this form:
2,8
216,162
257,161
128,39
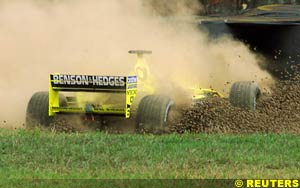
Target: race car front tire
244,95
153,114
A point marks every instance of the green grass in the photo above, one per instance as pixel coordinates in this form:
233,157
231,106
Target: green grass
44,155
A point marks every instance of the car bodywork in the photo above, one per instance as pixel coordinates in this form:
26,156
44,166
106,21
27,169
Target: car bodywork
203,93
91,94
96,97
126,85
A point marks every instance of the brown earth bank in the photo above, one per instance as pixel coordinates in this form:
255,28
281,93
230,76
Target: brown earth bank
278,112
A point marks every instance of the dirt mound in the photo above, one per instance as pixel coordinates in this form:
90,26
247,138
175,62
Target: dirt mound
278,112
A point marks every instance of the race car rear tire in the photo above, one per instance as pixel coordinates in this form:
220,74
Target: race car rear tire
153,114
37,110
244,95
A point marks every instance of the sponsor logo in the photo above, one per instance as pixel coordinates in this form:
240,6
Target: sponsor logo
131,92
86,80
132,79
132,86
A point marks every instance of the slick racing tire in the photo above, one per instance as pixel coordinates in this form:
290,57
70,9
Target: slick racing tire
153,114
244,95
37,110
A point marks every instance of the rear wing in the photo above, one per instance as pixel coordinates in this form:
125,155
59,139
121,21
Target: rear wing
91,83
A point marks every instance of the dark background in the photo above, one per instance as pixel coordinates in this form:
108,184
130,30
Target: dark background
235,6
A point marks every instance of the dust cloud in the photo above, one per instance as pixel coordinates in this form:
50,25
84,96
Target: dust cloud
92,37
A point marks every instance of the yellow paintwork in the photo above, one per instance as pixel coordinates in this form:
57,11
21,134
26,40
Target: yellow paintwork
97,106
201,93
53,99
130,96
99,110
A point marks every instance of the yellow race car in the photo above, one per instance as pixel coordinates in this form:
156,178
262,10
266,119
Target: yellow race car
98,97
